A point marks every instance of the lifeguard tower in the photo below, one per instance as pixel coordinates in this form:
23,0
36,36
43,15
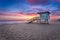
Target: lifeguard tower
44,17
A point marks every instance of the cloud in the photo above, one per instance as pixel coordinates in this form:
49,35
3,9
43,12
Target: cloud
57,0
36,2
33,6
6,3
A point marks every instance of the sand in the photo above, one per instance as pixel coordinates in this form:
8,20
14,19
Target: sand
22,31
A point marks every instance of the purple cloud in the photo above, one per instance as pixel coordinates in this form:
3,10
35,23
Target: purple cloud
57,0
42,2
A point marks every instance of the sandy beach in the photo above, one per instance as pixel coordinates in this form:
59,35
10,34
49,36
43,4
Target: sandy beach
22,31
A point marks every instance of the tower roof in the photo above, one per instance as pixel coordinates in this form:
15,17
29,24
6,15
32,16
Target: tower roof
43,12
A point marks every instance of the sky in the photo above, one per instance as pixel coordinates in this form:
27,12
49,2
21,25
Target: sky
27,6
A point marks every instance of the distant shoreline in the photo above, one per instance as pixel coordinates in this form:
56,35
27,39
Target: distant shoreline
13,22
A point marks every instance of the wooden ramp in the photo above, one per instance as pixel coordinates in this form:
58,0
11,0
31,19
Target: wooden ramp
33,19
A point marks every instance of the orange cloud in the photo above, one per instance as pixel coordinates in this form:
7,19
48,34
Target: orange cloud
21,17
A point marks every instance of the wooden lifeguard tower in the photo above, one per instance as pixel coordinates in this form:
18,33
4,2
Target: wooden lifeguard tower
44,17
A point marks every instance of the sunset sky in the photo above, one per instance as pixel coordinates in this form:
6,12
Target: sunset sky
13,9
29,6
